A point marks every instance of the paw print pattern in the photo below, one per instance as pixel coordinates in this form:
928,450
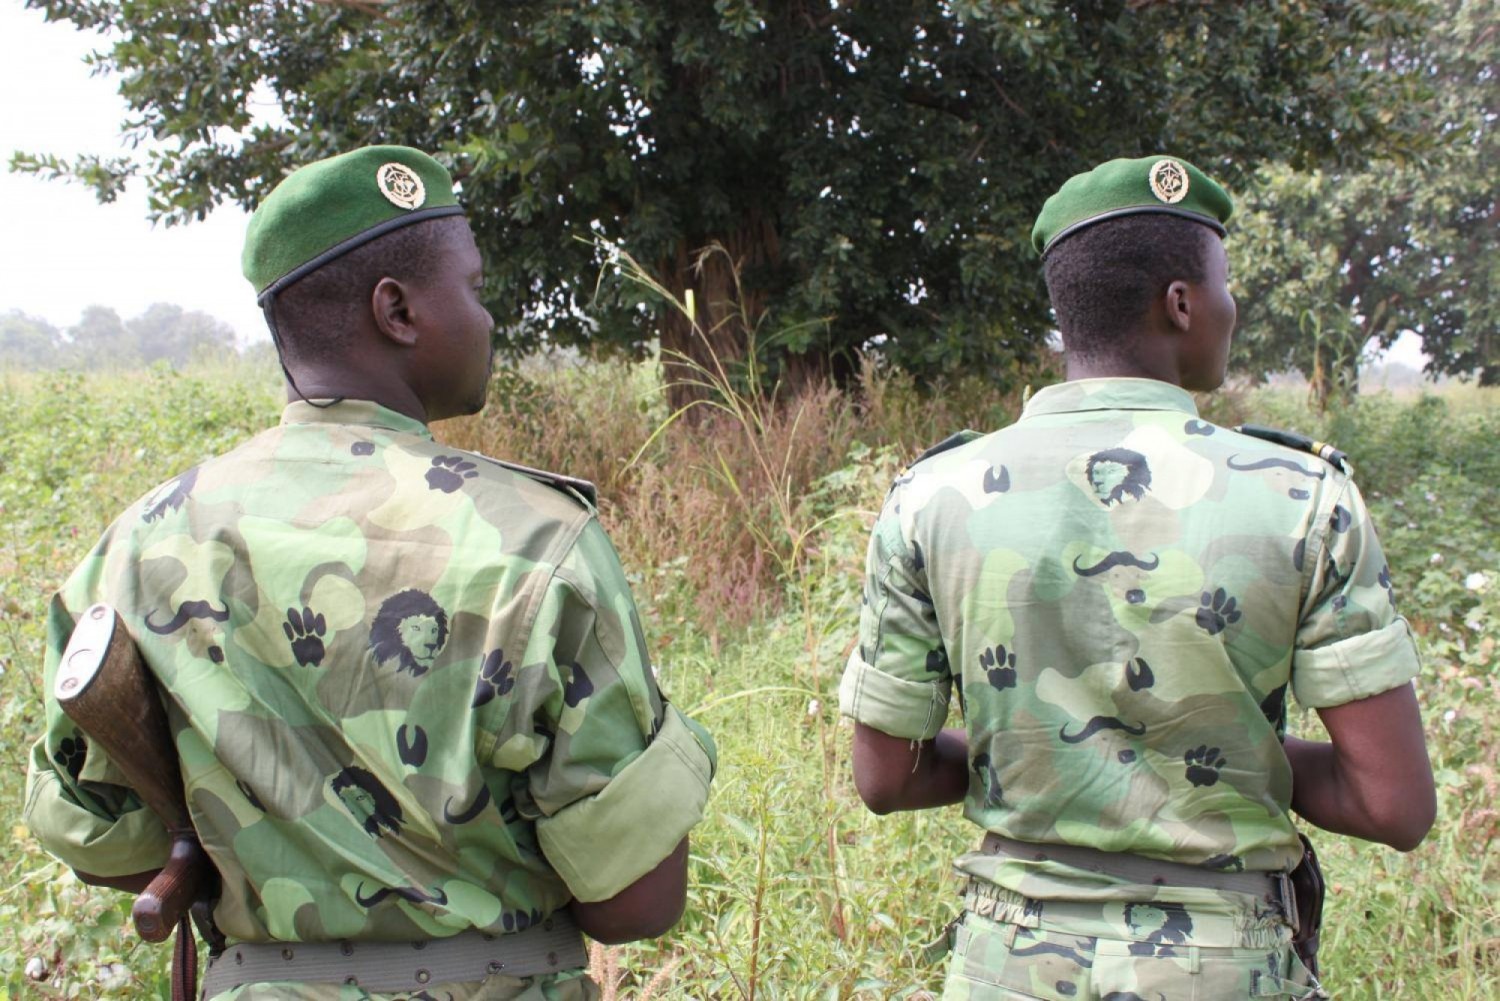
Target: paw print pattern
937,661
448,473
1385,581
306,630
70,754
1217,612
999,667
495,678
1203,764
578,688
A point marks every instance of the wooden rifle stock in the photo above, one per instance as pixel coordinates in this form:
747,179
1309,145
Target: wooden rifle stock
105,688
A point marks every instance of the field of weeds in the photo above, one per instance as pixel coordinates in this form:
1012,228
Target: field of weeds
743,529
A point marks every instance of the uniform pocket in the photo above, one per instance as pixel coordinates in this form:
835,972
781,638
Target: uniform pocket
992,961
1195,973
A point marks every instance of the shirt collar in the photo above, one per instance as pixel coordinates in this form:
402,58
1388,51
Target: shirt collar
1109,394
353,412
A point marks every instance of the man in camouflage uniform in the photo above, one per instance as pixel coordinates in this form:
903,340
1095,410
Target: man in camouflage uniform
409,686
1121,594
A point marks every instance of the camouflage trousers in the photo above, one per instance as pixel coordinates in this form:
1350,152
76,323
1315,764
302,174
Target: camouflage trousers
573,986
1219,947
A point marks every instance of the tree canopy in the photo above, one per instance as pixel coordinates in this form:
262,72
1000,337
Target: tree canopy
1335,262
871,170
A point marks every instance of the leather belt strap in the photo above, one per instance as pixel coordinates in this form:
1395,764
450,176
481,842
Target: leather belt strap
1274,887
549,947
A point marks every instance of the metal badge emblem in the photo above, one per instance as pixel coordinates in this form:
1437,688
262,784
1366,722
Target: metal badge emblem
1169,181
400,185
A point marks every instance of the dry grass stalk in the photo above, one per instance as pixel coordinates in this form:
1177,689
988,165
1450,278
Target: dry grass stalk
606,970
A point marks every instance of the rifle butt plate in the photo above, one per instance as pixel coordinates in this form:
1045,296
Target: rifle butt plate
85,653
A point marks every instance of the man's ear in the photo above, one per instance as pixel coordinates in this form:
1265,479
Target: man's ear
390,303
1178,305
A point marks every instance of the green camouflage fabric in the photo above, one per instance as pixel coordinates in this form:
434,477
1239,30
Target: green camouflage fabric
408,684
1154,943
1123,594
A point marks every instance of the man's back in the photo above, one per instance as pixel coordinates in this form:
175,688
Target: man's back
378,653
1123,590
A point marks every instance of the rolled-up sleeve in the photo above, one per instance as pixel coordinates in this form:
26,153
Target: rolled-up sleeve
1351,643
626,775
898,679
77,828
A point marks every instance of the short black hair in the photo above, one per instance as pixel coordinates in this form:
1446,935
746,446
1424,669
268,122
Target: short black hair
315,313
1103,278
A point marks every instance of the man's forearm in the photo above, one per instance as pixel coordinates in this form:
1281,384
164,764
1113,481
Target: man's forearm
1323,796
647,908
942,776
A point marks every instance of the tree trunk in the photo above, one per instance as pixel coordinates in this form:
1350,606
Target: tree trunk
715,346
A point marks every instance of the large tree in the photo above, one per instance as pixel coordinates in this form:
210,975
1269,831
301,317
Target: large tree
28,342
870,170
1338,261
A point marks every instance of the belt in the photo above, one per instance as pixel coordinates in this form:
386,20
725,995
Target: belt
549,947
1273,887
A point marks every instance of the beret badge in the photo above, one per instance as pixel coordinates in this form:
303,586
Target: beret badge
1169,181
403,188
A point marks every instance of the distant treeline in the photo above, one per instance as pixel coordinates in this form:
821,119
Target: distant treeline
100,339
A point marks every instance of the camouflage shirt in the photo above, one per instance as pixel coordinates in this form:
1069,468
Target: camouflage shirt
408,684
1122,594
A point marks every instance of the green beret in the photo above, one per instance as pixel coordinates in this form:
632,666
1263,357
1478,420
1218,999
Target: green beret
326,209
1128,187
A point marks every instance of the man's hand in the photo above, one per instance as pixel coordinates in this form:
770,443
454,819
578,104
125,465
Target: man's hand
1374,780
893,773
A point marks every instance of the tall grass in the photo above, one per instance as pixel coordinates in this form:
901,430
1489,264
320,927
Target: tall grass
744,533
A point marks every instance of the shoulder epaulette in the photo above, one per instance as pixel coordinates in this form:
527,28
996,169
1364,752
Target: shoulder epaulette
1301,442
952,441
585,490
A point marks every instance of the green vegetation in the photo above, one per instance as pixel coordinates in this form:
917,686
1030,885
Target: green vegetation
1332,263
873,168
745,534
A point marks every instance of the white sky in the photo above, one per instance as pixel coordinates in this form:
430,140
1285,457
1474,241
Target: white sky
63,251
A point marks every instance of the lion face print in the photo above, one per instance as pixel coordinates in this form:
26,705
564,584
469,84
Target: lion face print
1117,474
368,801
410,629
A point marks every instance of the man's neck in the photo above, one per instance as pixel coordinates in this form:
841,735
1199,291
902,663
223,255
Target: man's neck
315,384
1098,368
